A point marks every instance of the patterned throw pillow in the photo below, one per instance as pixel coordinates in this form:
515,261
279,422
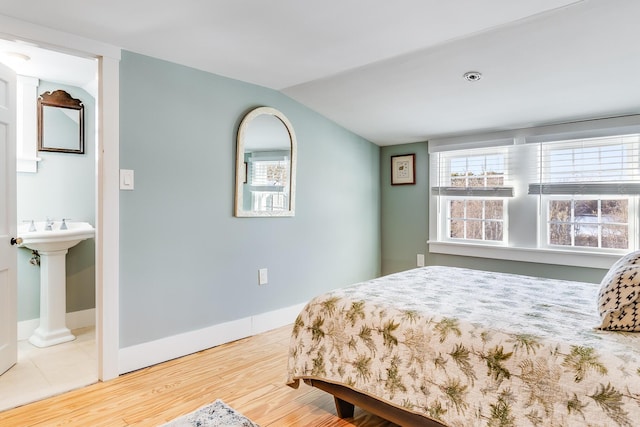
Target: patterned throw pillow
619,296
632,258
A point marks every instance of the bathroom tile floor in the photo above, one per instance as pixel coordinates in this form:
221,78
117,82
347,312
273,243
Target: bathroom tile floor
44,372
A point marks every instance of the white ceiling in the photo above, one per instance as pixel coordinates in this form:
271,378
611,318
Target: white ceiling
52,66
389,71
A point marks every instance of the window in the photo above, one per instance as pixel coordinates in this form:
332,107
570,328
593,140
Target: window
537,198
267,201
474,196
589,189
476,219
272,173
269,184
588,223
26,124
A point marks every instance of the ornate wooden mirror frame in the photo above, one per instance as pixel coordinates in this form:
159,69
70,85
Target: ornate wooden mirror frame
60,123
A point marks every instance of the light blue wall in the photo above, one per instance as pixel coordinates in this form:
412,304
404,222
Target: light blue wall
63,187
405,228
185,261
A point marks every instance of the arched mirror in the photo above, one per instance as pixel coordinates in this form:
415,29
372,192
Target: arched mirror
265,165
60,123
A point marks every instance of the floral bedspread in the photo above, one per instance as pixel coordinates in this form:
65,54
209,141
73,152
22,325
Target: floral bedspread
473,348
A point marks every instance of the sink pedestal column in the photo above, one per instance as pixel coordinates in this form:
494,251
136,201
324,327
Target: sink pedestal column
53,304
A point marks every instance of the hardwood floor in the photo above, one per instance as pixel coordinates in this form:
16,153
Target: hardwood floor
248,375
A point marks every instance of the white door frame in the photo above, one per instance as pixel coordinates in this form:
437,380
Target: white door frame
107,176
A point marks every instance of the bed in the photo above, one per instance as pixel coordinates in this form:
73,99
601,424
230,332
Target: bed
444,346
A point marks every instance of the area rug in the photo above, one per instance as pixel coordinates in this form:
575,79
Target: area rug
217,414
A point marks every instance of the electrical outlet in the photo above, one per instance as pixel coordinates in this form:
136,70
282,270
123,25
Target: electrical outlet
262,276
420,260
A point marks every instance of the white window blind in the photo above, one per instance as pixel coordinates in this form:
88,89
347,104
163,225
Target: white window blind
479,172
472,187
270,173
589,166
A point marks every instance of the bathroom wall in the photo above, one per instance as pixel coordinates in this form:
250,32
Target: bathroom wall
185,261
63,187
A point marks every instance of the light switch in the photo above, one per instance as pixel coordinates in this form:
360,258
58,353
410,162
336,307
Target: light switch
126,179
420,260
262,276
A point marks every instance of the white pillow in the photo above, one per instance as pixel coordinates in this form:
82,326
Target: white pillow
619,296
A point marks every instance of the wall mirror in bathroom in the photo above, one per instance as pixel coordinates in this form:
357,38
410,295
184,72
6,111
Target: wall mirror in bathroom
60,123
265,165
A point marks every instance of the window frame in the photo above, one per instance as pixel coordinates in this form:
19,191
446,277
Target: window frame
449,192
632,209
260,188
523,214
446,220
258,196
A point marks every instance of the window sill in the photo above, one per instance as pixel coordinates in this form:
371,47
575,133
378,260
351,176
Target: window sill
535,255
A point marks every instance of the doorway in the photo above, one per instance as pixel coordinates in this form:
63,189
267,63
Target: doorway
53,185
107,192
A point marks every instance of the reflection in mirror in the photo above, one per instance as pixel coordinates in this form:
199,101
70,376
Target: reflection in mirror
60,123
265,165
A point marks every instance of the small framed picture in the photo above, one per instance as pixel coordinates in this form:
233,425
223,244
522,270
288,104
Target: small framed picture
403,170
246,168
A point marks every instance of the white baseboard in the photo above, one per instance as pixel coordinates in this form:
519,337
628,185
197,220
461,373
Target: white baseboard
153,352
74,320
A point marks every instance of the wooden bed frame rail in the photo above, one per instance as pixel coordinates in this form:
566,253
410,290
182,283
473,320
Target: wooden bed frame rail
346,399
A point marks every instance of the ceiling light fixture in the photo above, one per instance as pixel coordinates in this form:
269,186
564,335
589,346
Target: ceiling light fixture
472,76
14,60
18,57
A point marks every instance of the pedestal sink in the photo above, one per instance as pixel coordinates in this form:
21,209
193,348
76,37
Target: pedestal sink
53,245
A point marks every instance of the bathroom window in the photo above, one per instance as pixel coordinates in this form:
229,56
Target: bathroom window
26,124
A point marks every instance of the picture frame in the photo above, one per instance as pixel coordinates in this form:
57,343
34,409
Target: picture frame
246,169
403,171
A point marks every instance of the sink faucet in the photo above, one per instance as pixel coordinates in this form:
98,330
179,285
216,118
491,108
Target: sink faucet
32,224
49,224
